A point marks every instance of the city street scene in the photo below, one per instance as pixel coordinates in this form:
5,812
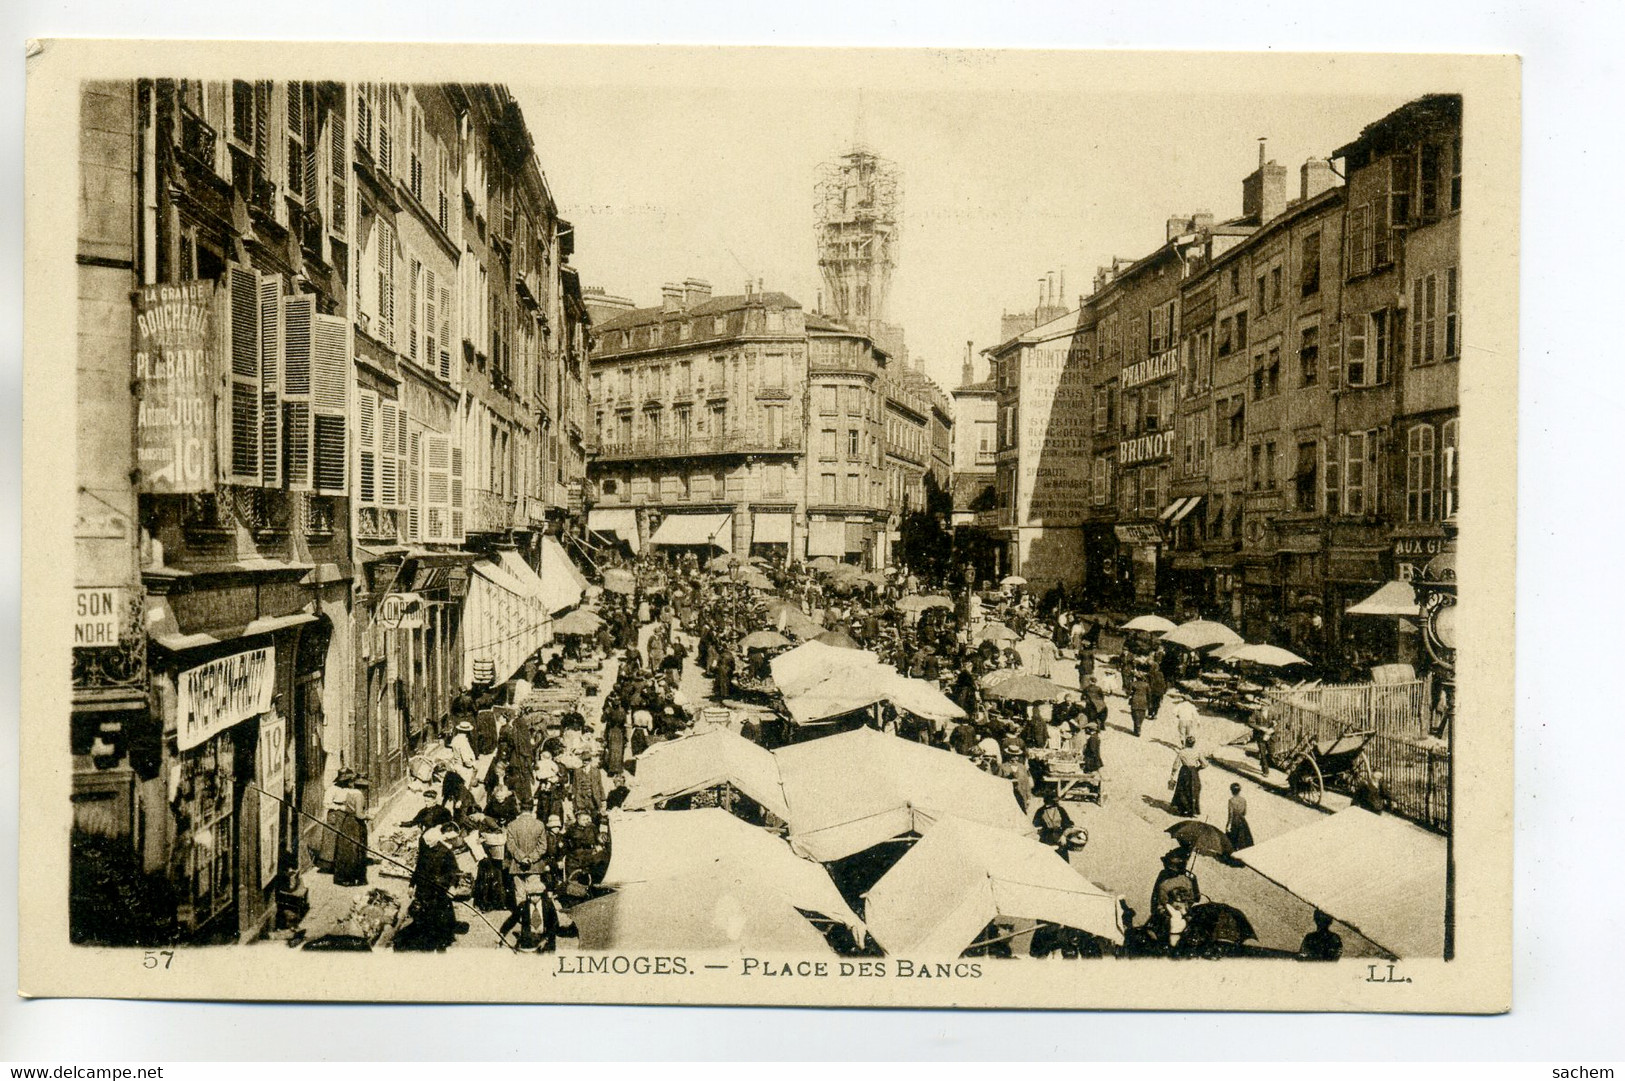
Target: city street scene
546,523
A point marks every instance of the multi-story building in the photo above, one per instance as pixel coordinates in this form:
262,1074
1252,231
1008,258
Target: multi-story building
975,435
699,422
1391,480
287,265
851,475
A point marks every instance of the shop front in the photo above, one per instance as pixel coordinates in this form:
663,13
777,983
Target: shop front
1358,642
1142,541
615,525
772,534
1261,616
703,534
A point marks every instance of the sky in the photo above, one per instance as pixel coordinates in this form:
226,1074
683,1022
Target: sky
1001,185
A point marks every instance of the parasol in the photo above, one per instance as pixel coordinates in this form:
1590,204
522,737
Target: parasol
619,581
995,632
1025,688
919,602
1203,838
582,621
763,640
722,564
837,638
1272,656
1202,634
1012,580
1151,624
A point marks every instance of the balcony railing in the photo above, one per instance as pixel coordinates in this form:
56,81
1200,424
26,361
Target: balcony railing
694,446
490,512
197,139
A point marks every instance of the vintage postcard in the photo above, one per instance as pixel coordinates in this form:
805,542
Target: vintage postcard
769,526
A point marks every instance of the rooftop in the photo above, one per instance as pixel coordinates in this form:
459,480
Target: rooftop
715,306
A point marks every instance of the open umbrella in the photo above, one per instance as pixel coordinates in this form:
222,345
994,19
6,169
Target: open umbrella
824,564
763,640
1027,689
722,564
581,621
1214,929
1203,838
995,632
619,581
1150,624
837,638
754,578
919,602
1202,634
1012,580
1257,653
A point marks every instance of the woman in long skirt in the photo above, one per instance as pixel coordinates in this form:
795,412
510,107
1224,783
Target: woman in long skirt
350,842
1235,827
1187,781
336,801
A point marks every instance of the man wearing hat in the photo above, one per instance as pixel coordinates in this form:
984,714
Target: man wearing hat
1053,821
536,916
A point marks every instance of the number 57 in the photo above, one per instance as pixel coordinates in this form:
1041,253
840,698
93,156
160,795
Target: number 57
151,959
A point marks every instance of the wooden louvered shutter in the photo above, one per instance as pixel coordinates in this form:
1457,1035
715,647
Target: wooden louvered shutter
437,487
386,282
385,136
366,438
431,336
240,325
414,497
307,140
445,333
457,494
389,493
298,345
338,154
270,311
330,404
414,270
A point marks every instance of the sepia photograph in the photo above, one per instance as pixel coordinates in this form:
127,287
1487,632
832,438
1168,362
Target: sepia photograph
770,526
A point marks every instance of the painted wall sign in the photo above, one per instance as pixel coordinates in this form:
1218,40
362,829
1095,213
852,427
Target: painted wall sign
271,761
401,612
97,615
225,691
1054,436
177,371
1145,448
1160,366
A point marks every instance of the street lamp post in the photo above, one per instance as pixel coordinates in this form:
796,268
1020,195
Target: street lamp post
1436,597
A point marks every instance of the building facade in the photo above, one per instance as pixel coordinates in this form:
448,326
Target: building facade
853,476
277,410
699,423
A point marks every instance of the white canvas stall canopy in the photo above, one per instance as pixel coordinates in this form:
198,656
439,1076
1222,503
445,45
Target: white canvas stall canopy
1390,599
851,791
713,530
771,528
854,689
621,523
1379,874
562,583
505,618
796,671
826,537
962,875
647,846
694,763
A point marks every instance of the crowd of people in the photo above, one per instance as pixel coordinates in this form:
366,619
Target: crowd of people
523,788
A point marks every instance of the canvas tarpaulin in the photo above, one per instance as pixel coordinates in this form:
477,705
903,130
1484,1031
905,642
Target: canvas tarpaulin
731,906
713,530
618,522
694,763
796,671
562,583
961,875
505,618
826,537
1379,874
772,528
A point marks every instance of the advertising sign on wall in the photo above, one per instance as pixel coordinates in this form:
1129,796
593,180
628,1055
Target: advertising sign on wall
220,693
272,764
175,376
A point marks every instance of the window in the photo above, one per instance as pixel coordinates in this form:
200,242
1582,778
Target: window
1360,493
415,150
1102,480
1241,330
854,448
1306,478
1427,191
773,424
682,423
1424,319
1402,182
1359,240
826,444
852,491
1419,465
854,401
1275,287
1452,320
1255,472
775,321
1260,302
623,433
773,371
1272,377
685,379
773,479
1448,490
1258,378
826,401
242,112
1309,265
718,418
719,325
1309,356
1235,280
1367,350
1152,418
1160,328
1269,466
1455,173
1102,408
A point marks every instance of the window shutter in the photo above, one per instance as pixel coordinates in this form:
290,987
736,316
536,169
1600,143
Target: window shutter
437,487
413,292
330,404
457,494
389,493
241,326
307,140
385,258
445,333
367,447
270,316
339,160
385,150
398,452
262,117
414,473
298,328
431,326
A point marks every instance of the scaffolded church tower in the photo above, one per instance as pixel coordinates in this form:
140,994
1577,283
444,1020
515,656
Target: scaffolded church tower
859,200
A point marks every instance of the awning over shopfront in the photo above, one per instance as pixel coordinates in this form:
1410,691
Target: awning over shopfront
826,537
1138,533
772,528
505,618
1173,511
713,530
622,523
1184,509
562,583
164,629
1391,599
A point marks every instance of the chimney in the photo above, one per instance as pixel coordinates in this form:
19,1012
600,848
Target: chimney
1202,221
967,371
1060,289
1176,226
750,288
1263,193
695,291
1314,177
1052,295
671,297
1043,284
